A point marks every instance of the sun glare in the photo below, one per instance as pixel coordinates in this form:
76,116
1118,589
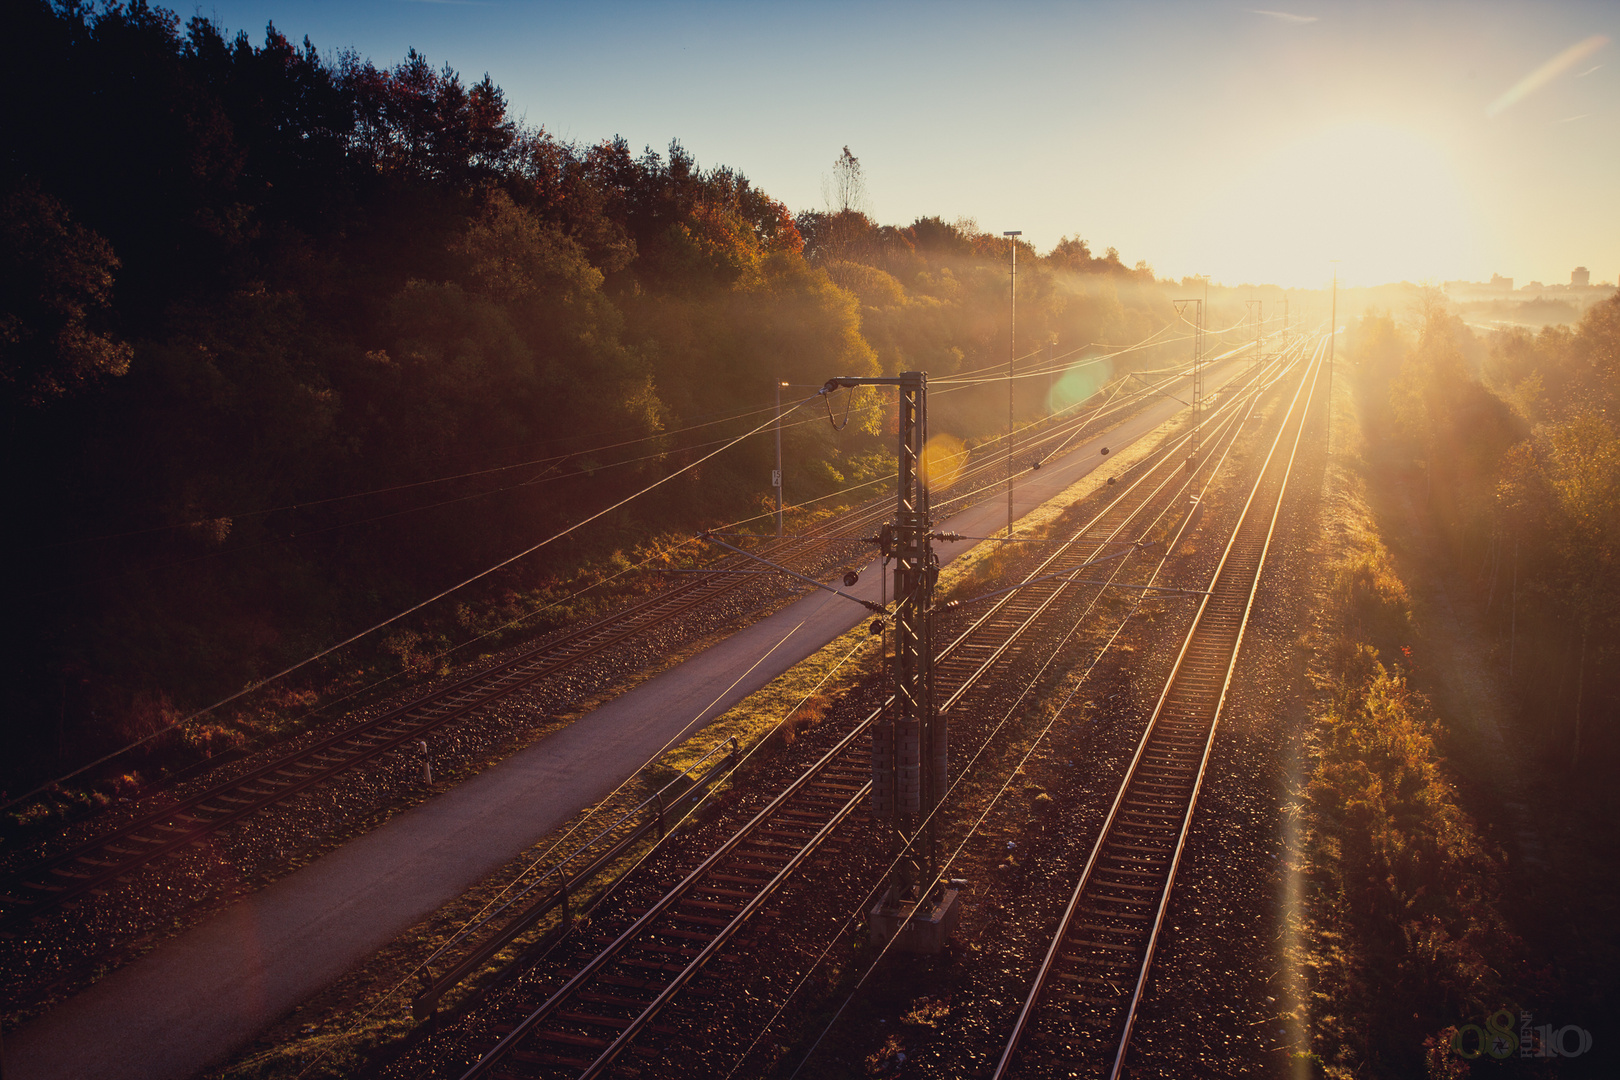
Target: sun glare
942,461
1077,384
1383,200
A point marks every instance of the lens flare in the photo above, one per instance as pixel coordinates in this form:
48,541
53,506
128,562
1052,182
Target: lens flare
1077,384
942,461
1545,74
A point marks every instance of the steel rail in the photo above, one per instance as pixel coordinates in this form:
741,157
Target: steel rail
1178,530
1112,522
1138,497
109,857
729,931
1124,864
96,863
1147,502
655,811
1209,744
670,898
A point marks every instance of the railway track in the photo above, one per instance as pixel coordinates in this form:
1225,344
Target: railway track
1081,1008
622,975
112,857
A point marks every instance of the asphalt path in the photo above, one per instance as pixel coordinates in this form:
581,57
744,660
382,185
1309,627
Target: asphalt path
194,1000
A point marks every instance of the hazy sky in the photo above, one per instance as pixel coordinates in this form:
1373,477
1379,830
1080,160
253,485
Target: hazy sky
1250,143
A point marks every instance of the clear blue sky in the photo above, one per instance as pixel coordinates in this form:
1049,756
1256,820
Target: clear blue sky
1250,143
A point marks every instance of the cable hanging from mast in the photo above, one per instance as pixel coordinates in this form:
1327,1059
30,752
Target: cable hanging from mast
837,425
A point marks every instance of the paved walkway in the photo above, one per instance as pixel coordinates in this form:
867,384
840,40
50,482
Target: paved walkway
194,1000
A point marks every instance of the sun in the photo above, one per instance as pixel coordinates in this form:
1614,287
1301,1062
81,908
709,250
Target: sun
1383,200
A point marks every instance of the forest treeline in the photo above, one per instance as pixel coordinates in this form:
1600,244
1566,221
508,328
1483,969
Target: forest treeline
289,341
1516,439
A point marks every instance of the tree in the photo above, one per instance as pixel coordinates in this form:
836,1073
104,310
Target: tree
55,290
1074,255
1584,468
845,190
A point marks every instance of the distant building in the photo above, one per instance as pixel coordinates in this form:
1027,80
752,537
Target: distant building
1581,278
1500,282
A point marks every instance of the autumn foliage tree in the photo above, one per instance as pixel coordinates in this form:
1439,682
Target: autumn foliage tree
1516,436
289,340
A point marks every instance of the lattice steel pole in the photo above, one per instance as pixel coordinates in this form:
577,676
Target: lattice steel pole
910,743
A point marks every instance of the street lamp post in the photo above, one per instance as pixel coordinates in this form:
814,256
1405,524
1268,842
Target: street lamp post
1012,236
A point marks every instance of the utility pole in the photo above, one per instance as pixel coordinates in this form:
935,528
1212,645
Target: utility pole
776,477
1012,236
909,743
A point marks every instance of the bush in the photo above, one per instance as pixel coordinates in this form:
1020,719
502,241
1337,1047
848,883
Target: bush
1402,877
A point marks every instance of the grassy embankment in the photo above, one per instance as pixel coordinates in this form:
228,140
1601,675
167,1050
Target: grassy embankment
1402,936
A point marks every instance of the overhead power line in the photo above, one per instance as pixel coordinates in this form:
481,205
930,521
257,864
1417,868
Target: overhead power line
329,650
305,504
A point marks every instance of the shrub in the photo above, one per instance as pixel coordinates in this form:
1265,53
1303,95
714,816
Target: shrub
1403,876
